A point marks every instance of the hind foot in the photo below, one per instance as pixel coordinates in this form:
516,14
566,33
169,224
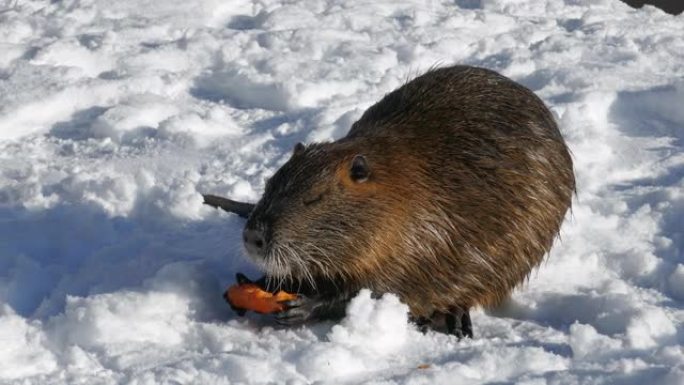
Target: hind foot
456,323
459,324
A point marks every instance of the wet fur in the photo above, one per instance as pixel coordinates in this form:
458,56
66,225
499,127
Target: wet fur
470,181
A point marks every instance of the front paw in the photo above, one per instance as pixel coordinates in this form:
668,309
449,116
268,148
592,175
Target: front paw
299,311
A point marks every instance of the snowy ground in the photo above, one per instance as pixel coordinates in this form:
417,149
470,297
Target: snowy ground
115,115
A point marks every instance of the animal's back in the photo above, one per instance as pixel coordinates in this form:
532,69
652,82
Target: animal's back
495,184
443,98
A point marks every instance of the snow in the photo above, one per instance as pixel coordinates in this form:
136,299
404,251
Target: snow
115,116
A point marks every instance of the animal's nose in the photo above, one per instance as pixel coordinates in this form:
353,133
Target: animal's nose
254,241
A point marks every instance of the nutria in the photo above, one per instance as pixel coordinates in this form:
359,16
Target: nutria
447,193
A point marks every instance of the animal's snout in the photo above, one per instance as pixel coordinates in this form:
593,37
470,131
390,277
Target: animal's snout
254,241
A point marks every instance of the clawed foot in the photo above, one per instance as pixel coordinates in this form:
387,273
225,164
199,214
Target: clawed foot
456,323
299,311
459,324
313,308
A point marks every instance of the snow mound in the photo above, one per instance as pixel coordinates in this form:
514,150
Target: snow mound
372,332
24,352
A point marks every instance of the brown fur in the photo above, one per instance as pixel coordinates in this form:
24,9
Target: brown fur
469,182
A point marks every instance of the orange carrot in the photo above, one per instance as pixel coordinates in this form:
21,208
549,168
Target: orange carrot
250,296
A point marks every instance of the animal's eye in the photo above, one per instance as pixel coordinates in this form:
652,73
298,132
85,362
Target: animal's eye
315,198
359,171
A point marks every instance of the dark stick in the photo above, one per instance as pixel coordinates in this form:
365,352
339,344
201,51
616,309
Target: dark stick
240,208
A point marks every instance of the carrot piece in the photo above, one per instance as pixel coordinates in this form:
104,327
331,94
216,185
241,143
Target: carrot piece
250,296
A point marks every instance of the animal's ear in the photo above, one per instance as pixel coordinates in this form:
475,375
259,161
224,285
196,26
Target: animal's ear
298,148
359,170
